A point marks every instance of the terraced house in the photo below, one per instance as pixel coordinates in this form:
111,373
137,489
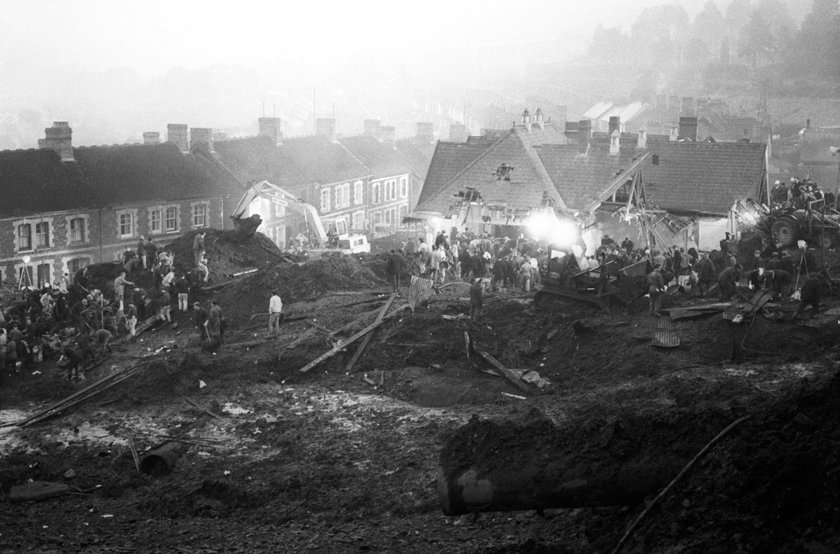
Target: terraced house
64,207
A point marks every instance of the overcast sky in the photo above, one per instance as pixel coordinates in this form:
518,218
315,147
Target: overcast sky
151,36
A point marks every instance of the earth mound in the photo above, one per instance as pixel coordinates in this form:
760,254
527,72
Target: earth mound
297,282
225,255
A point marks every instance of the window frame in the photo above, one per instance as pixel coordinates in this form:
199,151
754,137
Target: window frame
28,247
159,220
42,237
71,238
205,215
358,192
175,218
132,216
403,187
325,199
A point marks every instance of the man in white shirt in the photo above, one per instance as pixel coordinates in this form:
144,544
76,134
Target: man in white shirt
275,308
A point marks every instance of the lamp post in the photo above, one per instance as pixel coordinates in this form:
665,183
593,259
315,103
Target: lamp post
25,280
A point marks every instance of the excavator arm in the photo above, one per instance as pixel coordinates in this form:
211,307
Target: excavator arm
246,227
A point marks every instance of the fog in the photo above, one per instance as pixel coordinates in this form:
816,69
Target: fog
114,69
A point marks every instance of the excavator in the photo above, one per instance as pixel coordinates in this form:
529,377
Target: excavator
322,236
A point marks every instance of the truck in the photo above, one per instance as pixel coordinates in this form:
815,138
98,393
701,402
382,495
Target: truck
322,235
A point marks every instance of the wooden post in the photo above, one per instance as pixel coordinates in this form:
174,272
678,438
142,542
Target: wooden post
351,340
361,349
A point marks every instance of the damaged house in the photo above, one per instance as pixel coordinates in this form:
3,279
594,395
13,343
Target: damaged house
684,190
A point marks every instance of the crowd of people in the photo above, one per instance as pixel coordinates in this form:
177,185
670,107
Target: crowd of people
74,318
799,194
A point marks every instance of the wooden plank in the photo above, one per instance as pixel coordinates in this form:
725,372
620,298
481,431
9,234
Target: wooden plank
335,350
72,397
361,349
506,373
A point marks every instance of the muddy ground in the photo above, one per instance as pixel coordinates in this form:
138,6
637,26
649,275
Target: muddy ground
335,461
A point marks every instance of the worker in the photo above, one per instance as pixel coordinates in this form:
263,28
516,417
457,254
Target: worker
201,317
809,296
393,268
203,270
165,305
476,299
656,287
275,310
215,322
774,262
778,280
728,280
131,321
119,288
198,245
182,287
103,340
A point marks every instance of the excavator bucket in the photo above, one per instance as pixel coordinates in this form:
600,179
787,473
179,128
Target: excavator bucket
243,229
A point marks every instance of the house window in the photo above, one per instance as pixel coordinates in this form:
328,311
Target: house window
154,221
344,193
389,217
25,237
44,274
403,187
77,229
358,220
377,218
42,231
358,193
402,215
377,193
279,209
171,220
390,192
76,264
126,224
199,215
325,200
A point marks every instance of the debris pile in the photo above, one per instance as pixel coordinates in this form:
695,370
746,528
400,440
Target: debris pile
297,282
225,256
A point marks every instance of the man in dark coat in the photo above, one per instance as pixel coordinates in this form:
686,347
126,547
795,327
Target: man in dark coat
393,269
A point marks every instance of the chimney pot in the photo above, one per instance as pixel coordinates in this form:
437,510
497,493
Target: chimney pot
615,124
642,142
59,138
201,136
584,135
674,136
271,127
538,117
688,129
151,137
615,143
372,127
177,133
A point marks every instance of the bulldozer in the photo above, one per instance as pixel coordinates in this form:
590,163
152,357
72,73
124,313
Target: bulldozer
322,236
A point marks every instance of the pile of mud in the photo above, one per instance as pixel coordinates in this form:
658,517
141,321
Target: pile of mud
295,283
225,256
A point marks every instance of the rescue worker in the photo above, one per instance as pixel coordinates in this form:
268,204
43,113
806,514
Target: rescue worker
476,299
728,280
275,312
201,316
810,296
656,287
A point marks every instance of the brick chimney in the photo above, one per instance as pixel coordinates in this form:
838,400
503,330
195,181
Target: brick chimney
325,126
176,133
688,129
641,143
426,131
271,127
674,136
615,143
372,127
584,135
457,132
388,134
526,119
538,118
151,137
615,124
59,137
201,136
